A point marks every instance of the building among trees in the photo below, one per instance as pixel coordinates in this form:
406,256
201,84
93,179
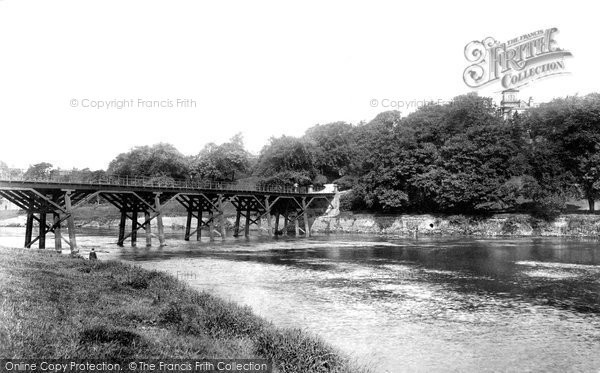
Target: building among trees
511,104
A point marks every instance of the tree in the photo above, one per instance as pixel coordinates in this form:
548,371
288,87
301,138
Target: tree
38,171
459,156
151,161
381,143
476,156
288,159
369,136
222,162
285,179
565,146
333,148
85,175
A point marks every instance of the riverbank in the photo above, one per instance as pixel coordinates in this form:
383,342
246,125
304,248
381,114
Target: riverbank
514,225
53,306
406,225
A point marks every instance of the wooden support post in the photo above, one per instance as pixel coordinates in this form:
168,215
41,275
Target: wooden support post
122,223
269,217
277,224
305,215
148,228
57,233
199,229
285,221
42,230
134,218
236,227
159,221
222,217
71,223
188,223
247,227
259,222
29,229
296,226
211,225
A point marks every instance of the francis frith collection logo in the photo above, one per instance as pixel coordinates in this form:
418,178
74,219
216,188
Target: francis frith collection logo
516,62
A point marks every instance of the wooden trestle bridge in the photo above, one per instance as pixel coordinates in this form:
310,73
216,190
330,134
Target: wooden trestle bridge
51,202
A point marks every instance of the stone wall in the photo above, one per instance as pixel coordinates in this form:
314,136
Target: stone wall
574,225
448,225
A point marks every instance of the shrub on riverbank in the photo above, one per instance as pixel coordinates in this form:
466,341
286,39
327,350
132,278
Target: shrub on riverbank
53,306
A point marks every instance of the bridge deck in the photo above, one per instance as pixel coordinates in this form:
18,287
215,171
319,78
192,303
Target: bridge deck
151,185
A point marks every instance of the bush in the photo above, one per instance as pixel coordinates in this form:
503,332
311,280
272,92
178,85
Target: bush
458,220
513,223
140,279
319,181
549,207
346,182
351,201
285,179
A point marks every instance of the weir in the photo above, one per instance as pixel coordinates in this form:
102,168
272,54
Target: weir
51,202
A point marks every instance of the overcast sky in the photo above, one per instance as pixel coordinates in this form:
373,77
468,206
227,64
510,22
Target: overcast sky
263,68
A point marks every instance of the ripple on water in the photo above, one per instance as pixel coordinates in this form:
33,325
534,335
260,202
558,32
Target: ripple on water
584,267
408,305
558,271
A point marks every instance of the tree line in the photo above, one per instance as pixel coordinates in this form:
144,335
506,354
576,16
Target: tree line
462,156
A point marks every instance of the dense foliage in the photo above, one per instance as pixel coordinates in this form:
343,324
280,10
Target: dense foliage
151,161
455,157
222,162
565,151
459,157
286,161
462,156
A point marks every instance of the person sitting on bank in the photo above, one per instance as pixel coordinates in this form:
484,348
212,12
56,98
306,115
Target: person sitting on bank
93,255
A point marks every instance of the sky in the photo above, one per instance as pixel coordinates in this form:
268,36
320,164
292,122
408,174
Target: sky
193,72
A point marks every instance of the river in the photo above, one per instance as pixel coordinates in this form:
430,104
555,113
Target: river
402,305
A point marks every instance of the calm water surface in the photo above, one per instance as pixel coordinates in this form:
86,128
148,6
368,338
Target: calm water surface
402,305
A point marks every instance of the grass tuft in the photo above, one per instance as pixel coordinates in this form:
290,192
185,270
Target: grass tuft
102,334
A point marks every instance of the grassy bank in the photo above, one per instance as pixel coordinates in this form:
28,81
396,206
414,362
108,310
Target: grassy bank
54,306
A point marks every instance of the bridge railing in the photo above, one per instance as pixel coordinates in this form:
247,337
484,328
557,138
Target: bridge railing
153,182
